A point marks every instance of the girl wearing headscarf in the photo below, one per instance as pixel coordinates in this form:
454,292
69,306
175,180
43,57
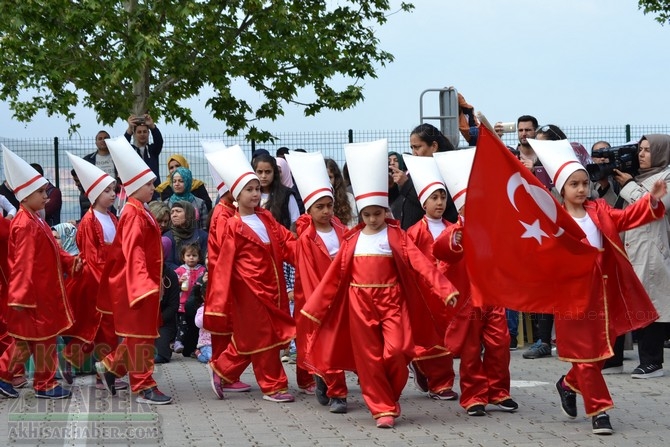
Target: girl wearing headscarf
648,250
68,234
198,187
183,231
181,180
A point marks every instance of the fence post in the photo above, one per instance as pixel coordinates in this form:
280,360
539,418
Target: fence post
350,135
627,133
56,166
253,148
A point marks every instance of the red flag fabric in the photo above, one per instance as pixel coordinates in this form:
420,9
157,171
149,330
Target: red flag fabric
522,249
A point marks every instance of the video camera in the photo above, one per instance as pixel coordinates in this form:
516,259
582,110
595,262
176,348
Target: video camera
624,158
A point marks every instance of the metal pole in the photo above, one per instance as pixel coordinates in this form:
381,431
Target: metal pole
350,135
56,166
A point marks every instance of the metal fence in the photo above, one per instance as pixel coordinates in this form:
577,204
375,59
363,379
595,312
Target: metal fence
50,152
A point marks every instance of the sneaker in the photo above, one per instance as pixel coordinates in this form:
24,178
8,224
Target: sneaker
66,372
601,424
216,382
477,410
568,399
420,381
612,370
279,397
178,347
58,392
338,405
385,422
108,378
444,395
513,343
320,391
309,390
237,387
153,396
538,350
285,356
647,372
7,390
19,381
508,405
120,384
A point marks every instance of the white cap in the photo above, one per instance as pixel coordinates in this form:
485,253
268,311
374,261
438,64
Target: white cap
368,170
93,179
455,167
22,178
133,171
210,146
233,167
425,176
558,158
311,176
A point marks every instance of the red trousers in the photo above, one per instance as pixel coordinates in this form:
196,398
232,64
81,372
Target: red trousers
438,369
485,380
337,385
135,357
587,380
45,357
106,341
267,366
7,342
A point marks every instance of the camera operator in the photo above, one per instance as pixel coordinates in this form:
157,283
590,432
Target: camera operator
649,251
139,128
606,188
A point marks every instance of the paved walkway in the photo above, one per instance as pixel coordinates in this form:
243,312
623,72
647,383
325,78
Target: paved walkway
196,418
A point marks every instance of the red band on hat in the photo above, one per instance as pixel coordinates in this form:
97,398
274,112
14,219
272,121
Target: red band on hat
316,192
239,179
558,172
220,185
95,183
28,183
459,194
429,185
132,180
372,194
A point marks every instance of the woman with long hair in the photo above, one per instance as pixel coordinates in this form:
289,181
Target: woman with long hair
345,205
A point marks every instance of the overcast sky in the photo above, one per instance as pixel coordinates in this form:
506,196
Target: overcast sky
569,62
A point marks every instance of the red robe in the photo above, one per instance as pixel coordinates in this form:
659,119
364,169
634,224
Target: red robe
250,281
425,290
38,305
83,290
312,261
5,338
618,303
131,281
223,211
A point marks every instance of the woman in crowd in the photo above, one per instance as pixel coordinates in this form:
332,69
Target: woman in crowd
345,205
198,187
181,180
183,231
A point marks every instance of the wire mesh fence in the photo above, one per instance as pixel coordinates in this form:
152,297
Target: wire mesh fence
50,152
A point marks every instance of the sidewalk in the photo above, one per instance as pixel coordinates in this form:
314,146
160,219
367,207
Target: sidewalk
197,418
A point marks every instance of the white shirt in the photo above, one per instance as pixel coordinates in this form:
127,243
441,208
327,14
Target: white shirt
436,226
331,241
105,163
592,232
257,225
108,228
373,244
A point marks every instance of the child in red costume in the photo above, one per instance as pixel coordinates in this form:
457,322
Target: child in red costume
377,297
132,281
38,309
484,378
319,237
618,299
250,294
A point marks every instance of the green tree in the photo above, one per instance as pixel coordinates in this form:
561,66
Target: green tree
661,8
123,56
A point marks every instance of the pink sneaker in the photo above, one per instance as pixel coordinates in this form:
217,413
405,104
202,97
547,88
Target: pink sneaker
385,422
279,397
237,387
19,381
120,384
216,382
309,390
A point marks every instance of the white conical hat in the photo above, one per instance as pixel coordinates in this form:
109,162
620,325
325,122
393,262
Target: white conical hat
210,146
93,179
22,178
425,176
558,158
233,167
133,171
311,176
368,171
455,167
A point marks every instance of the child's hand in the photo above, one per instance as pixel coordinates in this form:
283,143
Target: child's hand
458,237
659,189
183,277
452,302
204,278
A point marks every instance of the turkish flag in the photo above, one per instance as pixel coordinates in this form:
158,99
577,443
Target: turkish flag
522,249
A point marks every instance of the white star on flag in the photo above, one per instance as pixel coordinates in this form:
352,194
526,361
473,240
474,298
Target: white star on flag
533,230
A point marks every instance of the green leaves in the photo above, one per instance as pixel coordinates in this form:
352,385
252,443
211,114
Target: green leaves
659,7
119,57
